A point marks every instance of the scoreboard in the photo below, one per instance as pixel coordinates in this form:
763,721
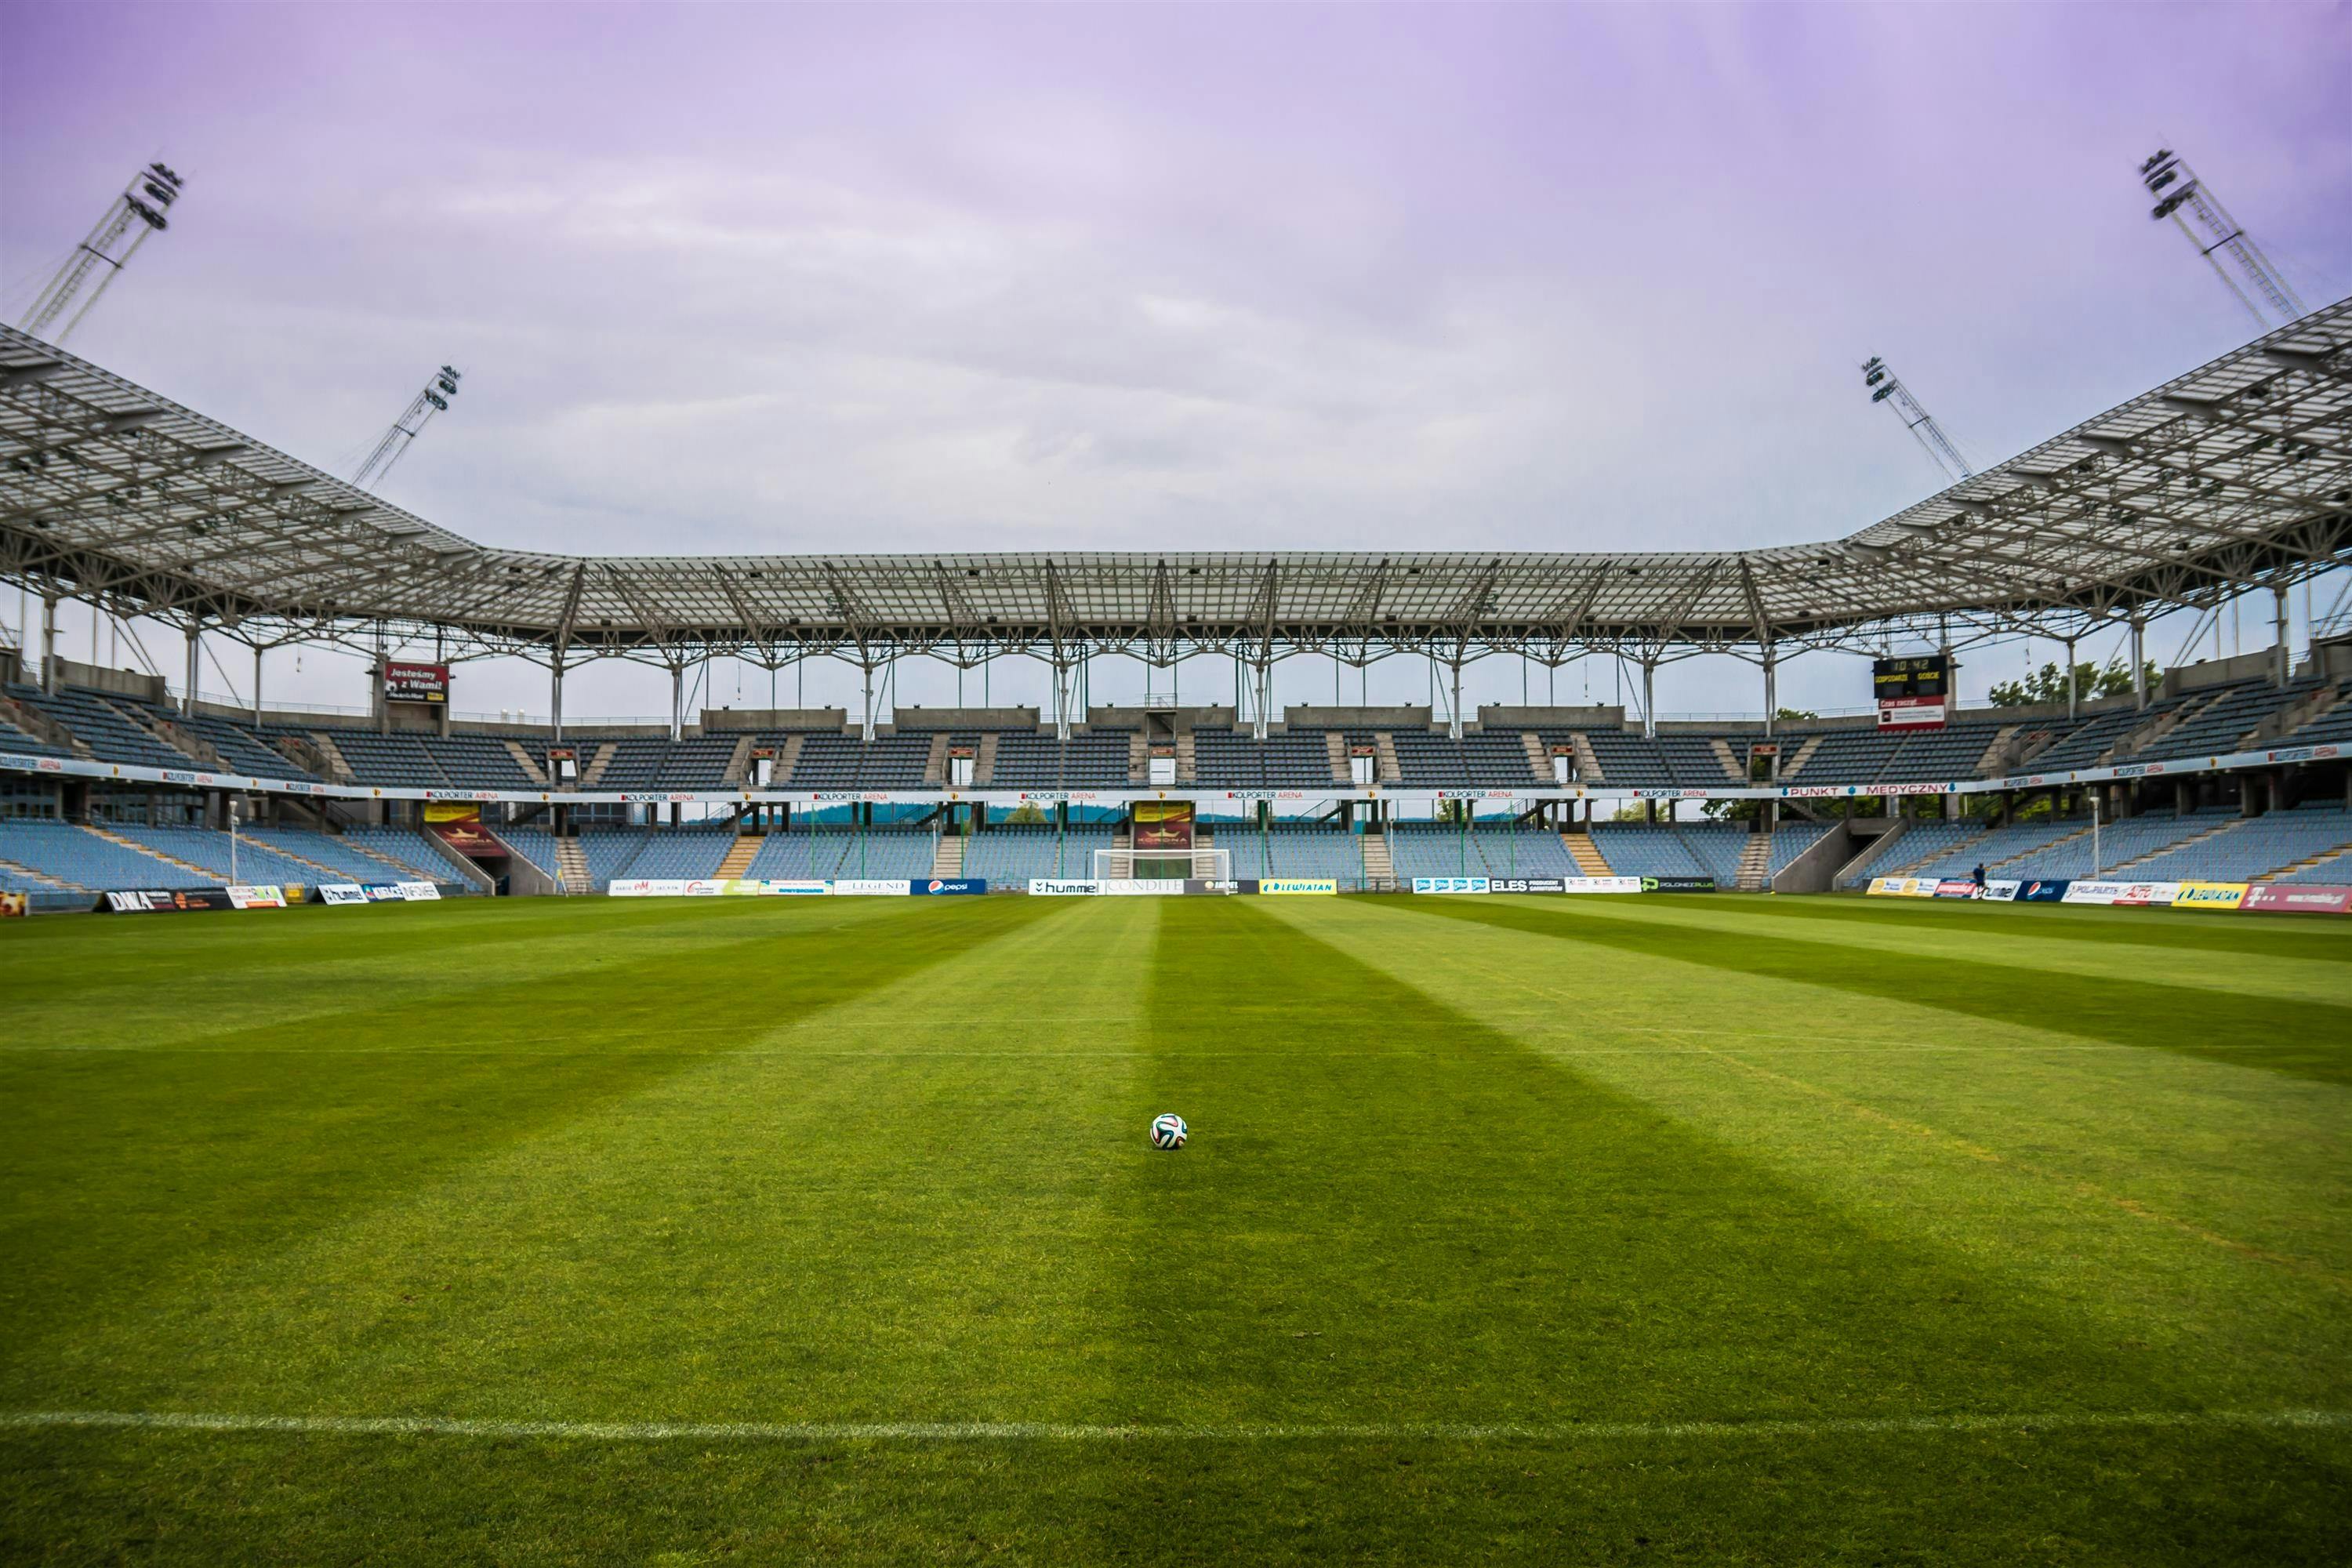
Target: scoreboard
1912,692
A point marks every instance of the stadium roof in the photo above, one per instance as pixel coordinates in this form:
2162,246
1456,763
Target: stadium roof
2235,475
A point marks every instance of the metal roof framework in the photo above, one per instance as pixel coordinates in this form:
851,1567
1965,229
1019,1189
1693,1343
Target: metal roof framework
2235,476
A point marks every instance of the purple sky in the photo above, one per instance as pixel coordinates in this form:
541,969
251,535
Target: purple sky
739,277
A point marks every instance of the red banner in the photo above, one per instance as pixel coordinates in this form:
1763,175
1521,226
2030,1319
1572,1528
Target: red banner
2307,898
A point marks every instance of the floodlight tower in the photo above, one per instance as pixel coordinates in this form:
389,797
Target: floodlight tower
140,207
1888,387
438,391
2255,279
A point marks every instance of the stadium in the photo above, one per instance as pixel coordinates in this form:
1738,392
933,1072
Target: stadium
1210,1125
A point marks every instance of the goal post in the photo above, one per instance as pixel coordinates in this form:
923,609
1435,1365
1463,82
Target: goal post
1163,865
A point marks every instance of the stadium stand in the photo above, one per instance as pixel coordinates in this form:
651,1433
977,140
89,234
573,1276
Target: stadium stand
1010,855
1293,849
842,762
1430,757
1636,850
80,859
97,724
1027,760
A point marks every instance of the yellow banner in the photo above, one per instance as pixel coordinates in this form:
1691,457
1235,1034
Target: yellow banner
2209,896
452,811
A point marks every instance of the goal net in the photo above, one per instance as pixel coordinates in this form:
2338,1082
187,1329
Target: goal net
1171,865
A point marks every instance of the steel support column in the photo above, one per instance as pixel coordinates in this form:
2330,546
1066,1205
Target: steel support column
2278,619
195,644
49,644
2139,661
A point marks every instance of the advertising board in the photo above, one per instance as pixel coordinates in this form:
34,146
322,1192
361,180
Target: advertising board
1678,884
868,887
2002,891
245,895
1298,885
2209,896
1525,885
2048,891
1449,884
1955,888
1064,888
2305,898
165,901
419,892
341,893
940,885
15,905
415,682
2129,895
1600,884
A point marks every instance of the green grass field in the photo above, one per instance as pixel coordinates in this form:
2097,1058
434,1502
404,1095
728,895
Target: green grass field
1538,1231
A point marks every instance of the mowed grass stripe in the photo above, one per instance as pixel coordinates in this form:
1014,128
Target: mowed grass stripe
1475,1232
817,1238
1995,937
2306,1039
2200,1211
122,1171
2189,933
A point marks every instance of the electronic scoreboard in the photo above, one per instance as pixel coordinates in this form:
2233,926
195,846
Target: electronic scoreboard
1912,692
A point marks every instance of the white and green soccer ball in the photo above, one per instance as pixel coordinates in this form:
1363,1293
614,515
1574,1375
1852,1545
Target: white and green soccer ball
1168,1131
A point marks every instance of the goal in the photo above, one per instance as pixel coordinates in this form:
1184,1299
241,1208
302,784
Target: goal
1163,865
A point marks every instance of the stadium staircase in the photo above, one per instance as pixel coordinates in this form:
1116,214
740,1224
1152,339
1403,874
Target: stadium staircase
935,761
2149,733
983,766
337,771
740,855
1335,753
1139,759
1588,764
2296,714
1590,861
1995,757
738,771
1188,769
1755,863
2326,856
14,876
1538,762
1796,764
594,773
41,727
530,766
1379,867
1731,764
571,867
947,856
167,734
151,852
1384,747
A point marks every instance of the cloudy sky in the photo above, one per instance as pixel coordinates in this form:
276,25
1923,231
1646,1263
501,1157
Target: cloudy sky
745,277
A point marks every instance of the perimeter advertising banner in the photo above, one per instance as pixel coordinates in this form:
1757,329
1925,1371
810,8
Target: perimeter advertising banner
247,896
2307,898
165,901
1450,884
1298,885
1678,884
2209,896
15,906
341,893
2046,891
1902,887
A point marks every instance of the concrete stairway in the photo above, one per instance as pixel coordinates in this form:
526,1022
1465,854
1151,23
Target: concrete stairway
947,858
571,867
1379,867
527,763
983,764
1539,759
1755,863
1335,752
2341,855
740,855
1791,767
25,876
1729,763
1590,861
594,773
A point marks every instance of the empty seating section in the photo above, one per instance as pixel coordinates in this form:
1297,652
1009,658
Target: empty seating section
842,762
1010,857
1026,760
1234,759
1956,848
205,848
2224,718
97,724
2116,843
397,761
1292,850
1717,846
1430,758
80,859
1434,849
1632,760
1930,755
879,853
406,846
699,761
25,743
2334,724
2095,737
686,854
241,748
2239,849
1635,849
536,845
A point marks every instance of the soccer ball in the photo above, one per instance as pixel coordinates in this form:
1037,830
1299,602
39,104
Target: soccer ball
1168,1131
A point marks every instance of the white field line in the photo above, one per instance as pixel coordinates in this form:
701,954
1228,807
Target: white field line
1084,1432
